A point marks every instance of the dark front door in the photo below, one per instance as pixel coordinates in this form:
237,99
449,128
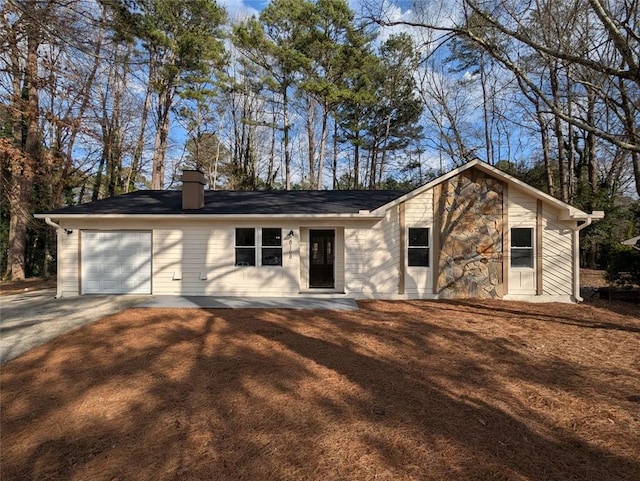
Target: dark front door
321,255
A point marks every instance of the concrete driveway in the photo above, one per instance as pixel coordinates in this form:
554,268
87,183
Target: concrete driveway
31,319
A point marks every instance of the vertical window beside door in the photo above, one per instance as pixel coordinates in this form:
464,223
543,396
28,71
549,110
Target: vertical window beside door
522,247
418,247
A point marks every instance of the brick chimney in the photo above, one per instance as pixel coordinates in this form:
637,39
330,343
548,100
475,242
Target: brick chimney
192,189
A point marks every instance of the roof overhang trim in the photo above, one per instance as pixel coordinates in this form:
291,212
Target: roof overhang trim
194,216
567,211
578,215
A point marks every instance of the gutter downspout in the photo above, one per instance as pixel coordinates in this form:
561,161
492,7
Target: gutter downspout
576,259
59,230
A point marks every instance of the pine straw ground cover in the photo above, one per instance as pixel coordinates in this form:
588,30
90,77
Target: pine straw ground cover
411,390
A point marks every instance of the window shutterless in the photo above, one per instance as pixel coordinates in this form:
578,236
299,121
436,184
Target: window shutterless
268,239
271,251
245,247
522,247
418,247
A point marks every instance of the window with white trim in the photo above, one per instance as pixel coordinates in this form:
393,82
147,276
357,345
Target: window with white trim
245,246
271,254
248,239
522,247
418,247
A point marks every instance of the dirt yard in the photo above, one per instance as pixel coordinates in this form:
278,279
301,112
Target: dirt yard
412,390
27,285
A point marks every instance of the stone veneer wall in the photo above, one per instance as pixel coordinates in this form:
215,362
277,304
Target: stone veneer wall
470,241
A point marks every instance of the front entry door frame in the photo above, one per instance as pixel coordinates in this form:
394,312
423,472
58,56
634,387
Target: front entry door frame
322,255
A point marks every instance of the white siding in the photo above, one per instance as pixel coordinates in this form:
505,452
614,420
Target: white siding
304,258
557,248
355,254
419,213
383,256
195,258
68,260
522,212
339,260
419,210
557,260
200,260
522,209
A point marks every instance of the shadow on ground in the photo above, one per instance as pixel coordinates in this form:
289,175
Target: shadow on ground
397,390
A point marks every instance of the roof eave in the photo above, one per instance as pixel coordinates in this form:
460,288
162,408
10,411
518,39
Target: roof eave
425,187
631,242
578,215
196,216
568,212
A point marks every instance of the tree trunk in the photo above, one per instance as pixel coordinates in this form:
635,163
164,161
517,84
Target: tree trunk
215,168
137,153
557,122
356,161
571,162
116,137
22,167
287,155
335,155
385,143
323,144
636,170
271,174
544,139
630,125
591,145
97,182
165,99
311,140
485,112
373,164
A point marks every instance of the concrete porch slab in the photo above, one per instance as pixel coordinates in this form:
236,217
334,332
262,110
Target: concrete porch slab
207,302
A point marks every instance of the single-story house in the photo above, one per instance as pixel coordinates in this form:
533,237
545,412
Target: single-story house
474,232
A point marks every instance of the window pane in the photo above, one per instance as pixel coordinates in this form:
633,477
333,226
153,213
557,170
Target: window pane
245,237
419,257
418,237
272,256
317,252
271,237
521,257
521,238
245,256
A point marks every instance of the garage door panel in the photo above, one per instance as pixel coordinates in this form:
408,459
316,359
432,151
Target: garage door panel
129,269
106,245
110,270
131,284
117,262
92,268
91,285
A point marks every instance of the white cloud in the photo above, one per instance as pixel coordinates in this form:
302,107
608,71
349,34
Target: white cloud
238,9
411,16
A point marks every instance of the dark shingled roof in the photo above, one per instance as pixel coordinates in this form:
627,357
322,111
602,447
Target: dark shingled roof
310,202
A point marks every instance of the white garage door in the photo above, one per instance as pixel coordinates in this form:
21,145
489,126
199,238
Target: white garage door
116,262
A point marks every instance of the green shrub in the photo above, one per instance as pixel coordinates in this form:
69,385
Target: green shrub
624,266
